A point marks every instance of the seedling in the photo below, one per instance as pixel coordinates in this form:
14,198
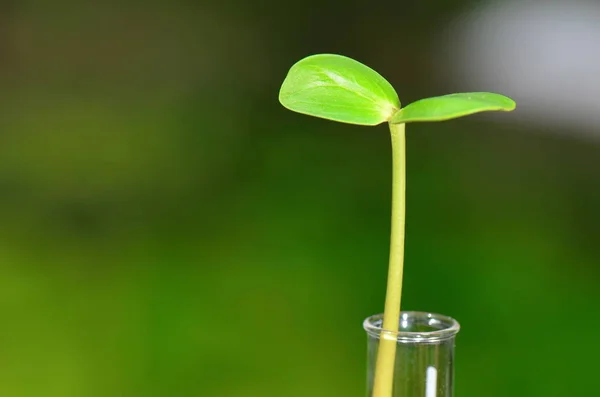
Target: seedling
338,88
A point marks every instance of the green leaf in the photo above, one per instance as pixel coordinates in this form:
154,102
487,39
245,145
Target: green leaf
338,88
452,106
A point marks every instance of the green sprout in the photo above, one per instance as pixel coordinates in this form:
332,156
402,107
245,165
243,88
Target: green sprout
338,88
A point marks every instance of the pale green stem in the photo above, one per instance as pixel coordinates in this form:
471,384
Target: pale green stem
384,369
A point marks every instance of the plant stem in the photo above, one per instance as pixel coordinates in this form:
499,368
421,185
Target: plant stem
384,369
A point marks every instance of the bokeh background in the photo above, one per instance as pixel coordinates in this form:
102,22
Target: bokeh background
168,229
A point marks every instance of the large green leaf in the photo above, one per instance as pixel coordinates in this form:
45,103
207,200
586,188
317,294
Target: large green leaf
338,88
452,106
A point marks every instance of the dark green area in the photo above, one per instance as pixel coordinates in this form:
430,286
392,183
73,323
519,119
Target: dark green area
167,228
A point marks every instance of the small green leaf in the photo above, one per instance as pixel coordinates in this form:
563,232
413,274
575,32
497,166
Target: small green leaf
452,106
338,88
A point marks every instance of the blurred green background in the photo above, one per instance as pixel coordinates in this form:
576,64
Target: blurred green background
168,229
